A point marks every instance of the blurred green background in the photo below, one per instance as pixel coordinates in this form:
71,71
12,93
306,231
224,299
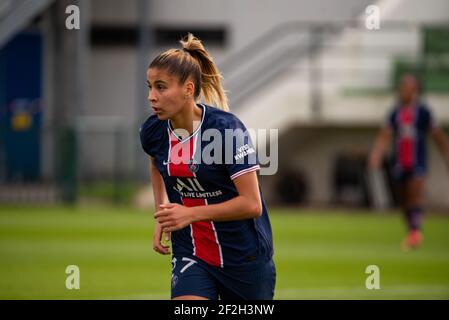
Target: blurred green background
319,254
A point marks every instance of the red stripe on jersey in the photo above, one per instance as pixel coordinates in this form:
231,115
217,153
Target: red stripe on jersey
205,243
406,143
180,154
204,239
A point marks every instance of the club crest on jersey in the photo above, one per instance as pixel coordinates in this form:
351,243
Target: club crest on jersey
174,281
193,166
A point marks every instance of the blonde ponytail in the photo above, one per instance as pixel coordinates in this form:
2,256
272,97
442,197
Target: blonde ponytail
211,79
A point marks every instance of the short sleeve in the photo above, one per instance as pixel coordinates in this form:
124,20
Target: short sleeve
429,119
240,155
150,135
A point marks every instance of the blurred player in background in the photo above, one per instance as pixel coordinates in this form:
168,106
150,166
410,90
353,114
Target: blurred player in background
408,124
220,230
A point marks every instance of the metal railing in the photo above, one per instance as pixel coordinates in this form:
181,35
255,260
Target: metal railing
251,68
16,14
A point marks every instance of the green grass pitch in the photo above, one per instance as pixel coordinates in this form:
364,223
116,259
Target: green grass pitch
319,255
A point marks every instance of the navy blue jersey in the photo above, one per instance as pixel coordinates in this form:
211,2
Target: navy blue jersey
410,125
192,179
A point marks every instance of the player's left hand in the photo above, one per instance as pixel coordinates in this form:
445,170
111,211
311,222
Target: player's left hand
173,216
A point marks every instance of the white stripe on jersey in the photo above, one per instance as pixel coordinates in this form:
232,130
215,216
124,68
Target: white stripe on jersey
239,173
218,242
169,149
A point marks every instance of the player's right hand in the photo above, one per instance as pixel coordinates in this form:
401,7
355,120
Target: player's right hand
158,246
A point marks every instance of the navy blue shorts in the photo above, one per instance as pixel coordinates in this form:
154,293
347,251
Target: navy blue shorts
191,276
402,176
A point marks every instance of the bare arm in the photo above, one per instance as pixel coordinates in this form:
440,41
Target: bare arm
160,197
379,148
245,206
442,143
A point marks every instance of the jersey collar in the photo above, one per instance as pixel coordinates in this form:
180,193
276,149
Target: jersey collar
194,132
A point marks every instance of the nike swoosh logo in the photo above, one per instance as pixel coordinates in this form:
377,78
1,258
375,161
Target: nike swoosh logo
165,162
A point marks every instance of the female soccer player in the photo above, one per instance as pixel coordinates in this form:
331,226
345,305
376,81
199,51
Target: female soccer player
409,122
216,216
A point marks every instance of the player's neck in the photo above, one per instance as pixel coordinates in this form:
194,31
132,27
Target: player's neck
188,119
409,103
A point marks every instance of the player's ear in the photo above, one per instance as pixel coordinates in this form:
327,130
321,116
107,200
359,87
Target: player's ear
189,88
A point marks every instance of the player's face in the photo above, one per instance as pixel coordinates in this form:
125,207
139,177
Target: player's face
408,89
166,95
